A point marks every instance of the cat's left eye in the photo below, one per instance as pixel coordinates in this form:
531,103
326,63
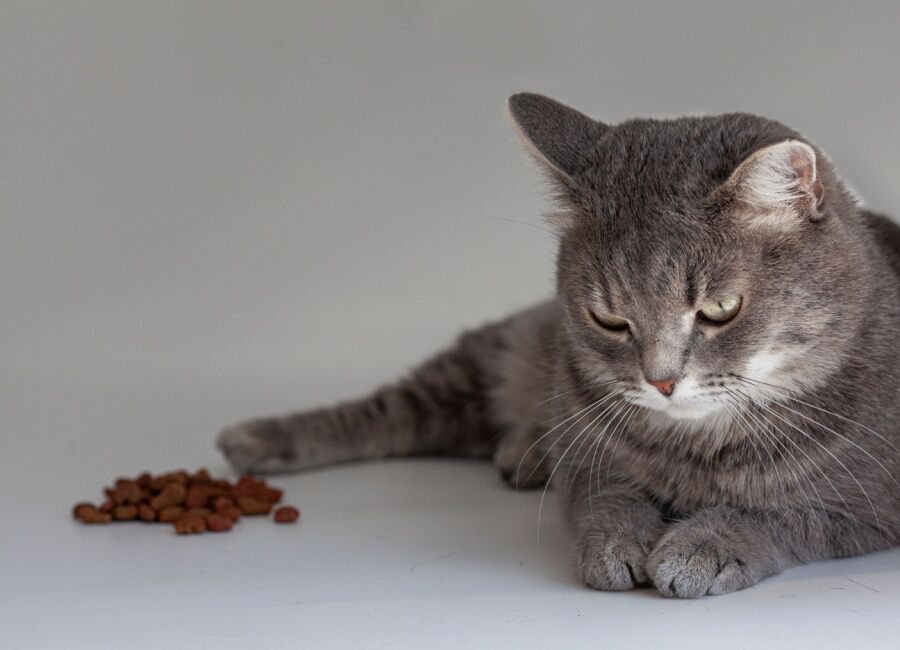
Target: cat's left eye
721,311
608,321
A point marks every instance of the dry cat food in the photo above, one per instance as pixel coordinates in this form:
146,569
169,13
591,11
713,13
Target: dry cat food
286,515
192,503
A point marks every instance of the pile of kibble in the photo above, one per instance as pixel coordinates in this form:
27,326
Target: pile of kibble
192,503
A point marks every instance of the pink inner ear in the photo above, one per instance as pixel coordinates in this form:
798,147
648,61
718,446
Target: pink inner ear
780,176
806,174
802,166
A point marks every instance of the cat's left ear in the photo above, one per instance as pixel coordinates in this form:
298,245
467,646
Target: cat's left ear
779,184
559,137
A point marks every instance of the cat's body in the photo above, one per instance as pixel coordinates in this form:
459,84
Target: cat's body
698,454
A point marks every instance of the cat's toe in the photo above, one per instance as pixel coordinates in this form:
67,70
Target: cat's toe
252,446
612,562
684,566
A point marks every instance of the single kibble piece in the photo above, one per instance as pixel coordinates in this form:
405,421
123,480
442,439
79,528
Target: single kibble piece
190,525
146,513
171,513
88,514
201,512
83,509
286,515
172,495
124,513
254,506
218,523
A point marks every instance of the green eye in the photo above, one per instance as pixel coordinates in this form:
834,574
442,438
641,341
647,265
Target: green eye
608,321
721,311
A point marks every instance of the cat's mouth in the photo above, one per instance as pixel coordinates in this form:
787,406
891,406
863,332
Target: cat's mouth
687,403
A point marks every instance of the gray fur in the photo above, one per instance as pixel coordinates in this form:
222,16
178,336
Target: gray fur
777,446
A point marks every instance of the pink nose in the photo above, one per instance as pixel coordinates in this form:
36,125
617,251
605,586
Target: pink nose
664,386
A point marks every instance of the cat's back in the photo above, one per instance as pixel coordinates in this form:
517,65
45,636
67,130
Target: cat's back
886,235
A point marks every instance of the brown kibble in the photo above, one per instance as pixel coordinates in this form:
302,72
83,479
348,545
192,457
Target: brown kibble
126,492
193,502
222,503
178,476
172,495
171,513
197,496
156,485
190,525
124,513
247,486
234,513
254,506
270,494
200,495
218,523
286,515
83,509
146,513
88,514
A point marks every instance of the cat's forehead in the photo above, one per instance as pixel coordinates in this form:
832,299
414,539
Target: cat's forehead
673,271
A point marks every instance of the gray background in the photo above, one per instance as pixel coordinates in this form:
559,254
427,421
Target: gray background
210,210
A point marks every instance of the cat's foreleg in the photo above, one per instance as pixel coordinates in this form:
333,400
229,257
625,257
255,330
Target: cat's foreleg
722,549
616,526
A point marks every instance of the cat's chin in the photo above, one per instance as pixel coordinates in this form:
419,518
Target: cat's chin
689,411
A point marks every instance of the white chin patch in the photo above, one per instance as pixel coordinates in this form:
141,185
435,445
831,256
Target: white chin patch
690,411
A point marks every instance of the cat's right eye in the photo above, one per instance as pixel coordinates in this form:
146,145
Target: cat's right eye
608,321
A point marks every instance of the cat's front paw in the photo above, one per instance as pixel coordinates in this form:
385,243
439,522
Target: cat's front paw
613,560
255,446
697,560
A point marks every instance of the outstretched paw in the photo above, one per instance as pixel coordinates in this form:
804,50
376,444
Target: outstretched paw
260,446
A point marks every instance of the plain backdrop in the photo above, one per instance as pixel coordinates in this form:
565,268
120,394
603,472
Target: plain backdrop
211,210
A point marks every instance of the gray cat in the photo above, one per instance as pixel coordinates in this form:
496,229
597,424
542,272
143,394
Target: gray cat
713,391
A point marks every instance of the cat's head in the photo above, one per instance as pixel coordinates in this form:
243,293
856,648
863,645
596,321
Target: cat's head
700,258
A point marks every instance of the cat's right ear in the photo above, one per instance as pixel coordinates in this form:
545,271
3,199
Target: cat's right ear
558,137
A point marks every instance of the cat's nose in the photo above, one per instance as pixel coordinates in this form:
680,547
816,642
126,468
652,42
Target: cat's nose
664,386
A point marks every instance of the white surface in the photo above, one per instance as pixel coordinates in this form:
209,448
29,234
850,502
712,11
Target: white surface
214,210
401,554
